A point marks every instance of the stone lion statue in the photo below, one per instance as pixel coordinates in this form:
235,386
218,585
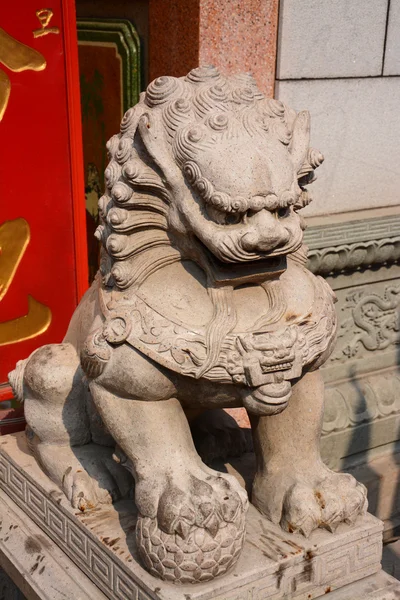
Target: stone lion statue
203,301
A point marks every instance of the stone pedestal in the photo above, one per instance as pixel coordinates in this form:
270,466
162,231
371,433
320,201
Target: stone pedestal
101,543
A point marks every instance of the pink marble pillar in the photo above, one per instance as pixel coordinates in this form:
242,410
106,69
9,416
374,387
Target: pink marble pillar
233,35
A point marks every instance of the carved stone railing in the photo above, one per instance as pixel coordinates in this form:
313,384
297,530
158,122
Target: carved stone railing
353,245
362,376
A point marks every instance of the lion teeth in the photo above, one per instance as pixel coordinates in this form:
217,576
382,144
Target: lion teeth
277,367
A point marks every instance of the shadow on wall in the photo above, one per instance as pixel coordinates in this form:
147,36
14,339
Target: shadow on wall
383,489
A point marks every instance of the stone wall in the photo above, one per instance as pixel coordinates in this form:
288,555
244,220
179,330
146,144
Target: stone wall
341,61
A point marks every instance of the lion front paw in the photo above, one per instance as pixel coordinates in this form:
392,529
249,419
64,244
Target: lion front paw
197,532
308,502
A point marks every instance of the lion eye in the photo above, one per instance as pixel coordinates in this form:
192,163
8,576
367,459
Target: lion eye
233,218
307,179
284,212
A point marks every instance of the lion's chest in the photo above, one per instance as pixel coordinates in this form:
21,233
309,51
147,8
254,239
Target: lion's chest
249,336
179,293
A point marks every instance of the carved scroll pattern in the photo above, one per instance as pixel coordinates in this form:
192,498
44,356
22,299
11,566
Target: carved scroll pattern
350,257
356,402
353,245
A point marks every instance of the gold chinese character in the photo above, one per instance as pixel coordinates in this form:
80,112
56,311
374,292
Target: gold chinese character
5,89
44,15
14,238
17,57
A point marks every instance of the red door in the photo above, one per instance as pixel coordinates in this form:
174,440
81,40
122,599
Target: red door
43,257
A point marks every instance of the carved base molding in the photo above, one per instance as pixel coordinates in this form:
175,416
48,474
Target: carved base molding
352,245
273,564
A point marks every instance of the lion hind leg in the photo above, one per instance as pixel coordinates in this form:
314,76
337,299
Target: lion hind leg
55,396
59,433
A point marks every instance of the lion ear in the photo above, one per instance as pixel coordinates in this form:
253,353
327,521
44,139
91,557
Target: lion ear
300,141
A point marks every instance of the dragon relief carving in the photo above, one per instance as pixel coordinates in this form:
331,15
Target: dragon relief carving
373,323
203,300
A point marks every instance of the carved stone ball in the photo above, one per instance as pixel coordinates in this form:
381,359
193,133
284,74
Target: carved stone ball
198,558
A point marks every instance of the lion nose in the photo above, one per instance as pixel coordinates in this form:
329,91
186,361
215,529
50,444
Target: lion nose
265,233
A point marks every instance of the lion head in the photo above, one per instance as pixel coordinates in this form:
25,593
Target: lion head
204,167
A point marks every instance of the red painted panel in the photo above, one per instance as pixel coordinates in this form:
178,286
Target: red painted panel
41,177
